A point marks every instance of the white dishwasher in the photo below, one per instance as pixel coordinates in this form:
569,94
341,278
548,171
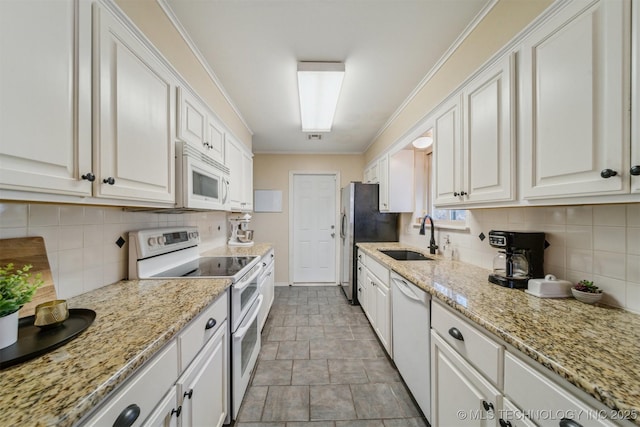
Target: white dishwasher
411,329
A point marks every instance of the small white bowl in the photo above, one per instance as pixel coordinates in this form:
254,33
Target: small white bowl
586,297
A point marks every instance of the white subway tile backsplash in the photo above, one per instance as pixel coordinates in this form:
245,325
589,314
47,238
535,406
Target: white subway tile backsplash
71,215
43,215
600,243
80,239
612,239
580,215
610,215
14,215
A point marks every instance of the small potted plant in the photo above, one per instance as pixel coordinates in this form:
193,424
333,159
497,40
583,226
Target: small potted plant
17,288
587,292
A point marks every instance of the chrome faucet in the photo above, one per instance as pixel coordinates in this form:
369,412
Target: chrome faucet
432,241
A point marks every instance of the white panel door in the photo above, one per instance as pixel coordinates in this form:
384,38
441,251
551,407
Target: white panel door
135,118
314,232
574,102
45,96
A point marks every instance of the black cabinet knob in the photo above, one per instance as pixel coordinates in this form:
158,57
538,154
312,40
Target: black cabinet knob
504,423
128,416
567,422
635,170
488,406
210,323
176,411
89,177
455,333
463,193
109,180
188,394
456,194
608,173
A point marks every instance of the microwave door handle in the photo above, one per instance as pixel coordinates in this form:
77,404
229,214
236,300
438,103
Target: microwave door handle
225,196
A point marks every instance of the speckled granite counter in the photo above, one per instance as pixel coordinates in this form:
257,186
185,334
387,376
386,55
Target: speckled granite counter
596,348
134,319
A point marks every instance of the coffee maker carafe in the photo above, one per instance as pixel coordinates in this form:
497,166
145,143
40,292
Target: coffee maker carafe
520,258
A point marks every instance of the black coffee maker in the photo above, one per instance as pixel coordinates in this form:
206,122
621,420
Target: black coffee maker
520,258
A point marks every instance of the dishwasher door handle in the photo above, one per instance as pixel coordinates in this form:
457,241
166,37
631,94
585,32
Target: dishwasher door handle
405,289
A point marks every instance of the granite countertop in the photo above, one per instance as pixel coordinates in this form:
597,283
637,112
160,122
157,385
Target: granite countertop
134,319
595,348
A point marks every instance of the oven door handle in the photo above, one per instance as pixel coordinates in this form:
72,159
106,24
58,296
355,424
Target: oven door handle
242,331
246,282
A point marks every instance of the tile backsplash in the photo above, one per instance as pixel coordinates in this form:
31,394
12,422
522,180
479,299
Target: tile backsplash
599,243
81,240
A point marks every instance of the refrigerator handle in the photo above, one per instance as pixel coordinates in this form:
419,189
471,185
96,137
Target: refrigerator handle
343,225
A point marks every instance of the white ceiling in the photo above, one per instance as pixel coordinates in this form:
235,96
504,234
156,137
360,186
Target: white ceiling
388,47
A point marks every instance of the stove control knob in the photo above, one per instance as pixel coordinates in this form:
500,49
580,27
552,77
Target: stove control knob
195,234
161,240
152,241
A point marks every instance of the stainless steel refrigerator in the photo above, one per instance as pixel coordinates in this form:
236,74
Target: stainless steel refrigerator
361,221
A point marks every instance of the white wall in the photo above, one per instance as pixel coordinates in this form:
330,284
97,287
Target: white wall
80,240
599,243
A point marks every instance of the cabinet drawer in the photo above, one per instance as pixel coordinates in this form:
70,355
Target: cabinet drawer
481,351
379,270
361,273
143,391
198,332
362,257
539,397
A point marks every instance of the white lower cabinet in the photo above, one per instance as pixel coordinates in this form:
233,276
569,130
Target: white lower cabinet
266,287
377,301
136,399
543,400
203,388
179,386
460,395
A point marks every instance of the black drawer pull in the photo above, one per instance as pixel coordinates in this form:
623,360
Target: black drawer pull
109,180
488,406
504,423
128,416
89,177
188,394
454,332
176,411
210,323
567,422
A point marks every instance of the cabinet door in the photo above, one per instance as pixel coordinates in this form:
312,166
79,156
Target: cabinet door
247,182
134,116
575,102
512,416
383,316
45,101
489,140
447,149
215,140
166,413
233,160
635,101
460,396
383,188
400,190
204,387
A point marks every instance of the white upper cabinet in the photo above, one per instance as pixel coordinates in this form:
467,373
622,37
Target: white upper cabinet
634,170
574,102
488,135
45,101
134,116
474,143
198,127
396,182
447,145
240,164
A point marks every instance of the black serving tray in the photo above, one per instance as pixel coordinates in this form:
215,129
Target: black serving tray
34,341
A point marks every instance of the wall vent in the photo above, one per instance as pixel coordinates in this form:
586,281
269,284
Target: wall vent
314,136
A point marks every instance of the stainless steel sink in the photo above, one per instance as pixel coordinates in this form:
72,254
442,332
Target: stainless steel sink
405,255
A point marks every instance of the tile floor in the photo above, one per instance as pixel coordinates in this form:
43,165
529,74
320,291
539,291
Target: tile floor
322,366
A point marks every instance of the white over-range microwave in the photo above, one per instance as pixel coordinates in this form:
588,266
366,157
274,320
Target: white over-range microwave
201,181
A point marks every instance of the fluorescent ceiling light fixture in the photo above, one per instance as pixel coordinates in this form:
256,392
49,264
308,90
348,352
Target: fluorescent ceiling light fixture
319,86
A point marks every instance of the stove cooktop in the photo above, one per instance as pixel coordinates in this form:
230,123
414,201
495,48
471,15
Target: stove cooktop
213,267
